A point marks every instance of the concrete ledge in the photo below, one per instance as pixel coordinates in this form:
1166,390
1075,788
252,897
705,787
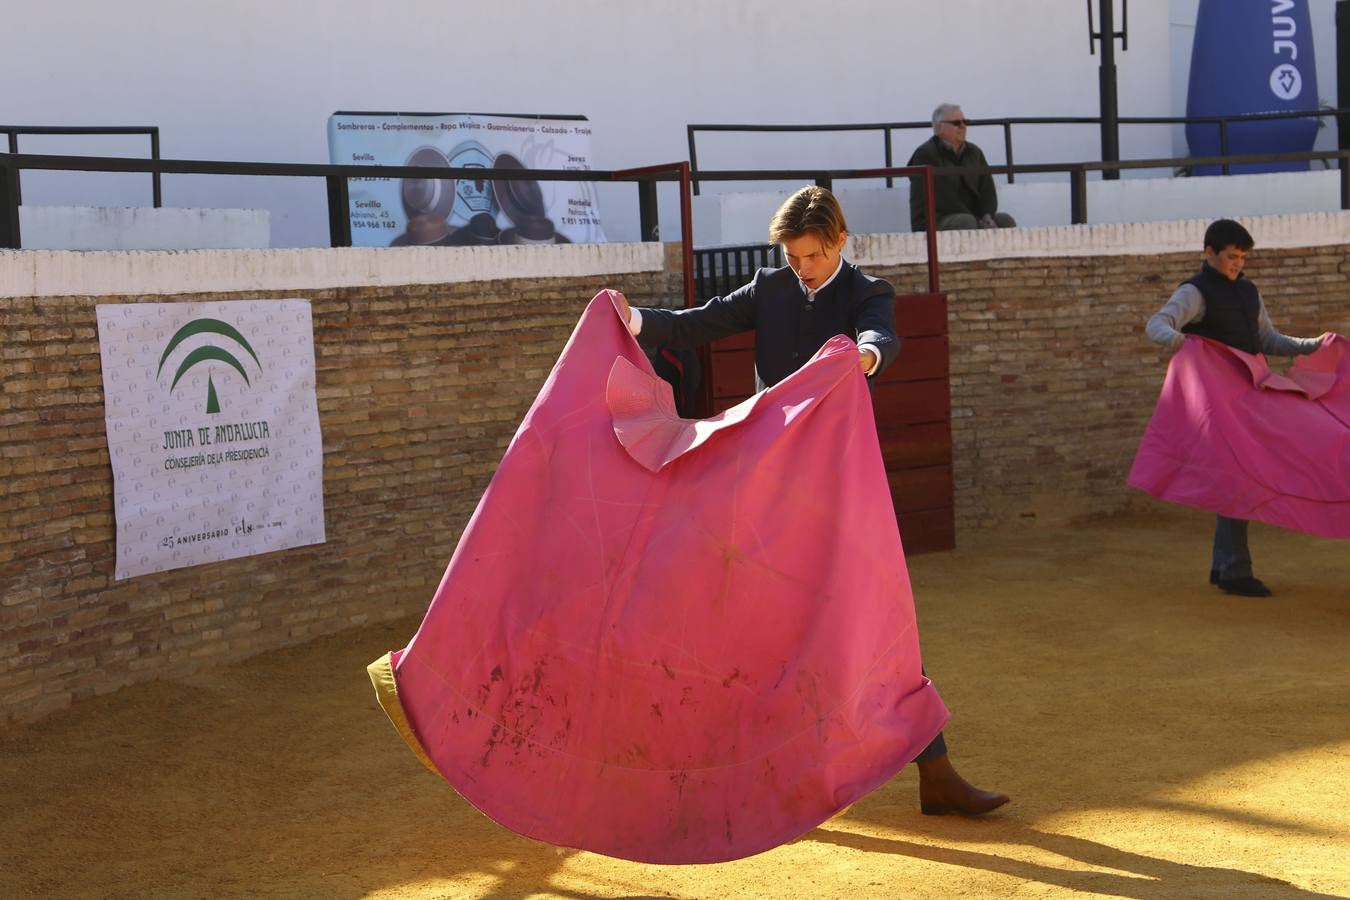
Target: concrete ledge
1300,230
68,273
62,273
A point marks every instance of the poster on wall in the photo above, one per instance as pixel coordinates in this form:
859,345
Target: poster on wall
466,210
213,430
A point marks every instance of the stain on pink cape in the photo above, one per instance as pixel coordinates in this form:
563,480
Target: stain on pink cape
1232,437
671,640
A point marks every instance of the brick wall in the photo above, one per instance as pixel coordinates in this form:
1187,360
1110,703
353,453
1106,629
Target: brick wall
421,386
419,390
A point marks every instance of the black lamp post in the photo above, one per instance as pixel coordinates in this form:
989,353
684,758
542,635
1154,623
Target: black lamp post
1106,74
1342,74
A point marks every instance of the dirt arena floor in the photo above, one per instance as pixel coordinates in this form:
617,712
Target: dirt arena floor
1159,739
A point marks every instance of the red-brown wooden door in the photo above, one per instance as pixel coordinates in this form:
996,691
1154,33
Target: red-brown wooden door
912,400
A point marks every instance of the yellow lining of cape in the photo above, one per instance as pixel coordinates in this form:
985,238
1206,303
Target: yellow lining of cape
381,673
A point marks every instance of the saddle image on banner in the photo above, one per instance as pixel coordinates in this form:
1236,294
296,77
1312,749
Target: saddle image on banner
1232,437
672,640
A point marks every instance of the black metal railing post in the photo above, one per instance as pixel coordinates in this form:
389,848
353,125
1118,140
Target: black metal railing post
1223,144
1106,80
648,220
154,176
693,160
1078,195
1007,148
14,148
339,212
890,158
825,181
10,239
1345,182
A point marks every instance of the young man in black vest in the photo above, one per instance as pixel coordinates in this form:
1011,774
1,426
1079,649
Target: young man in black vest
793,312
1221,303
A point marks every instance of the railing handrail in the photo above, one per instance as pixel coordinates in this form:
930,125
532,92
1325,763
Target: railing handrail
1020,168
1021,120
338,176
319,170
12,133
658,173
1077,171
79,129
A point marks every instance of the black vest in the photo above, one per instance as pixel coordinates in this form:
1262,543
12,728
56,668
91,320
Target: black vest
1232,309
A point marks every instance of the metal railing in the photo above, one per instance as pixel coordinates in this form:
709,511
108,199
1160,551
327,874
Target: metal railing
1077,172
12,132
1222,123
720,270
646,179
337,178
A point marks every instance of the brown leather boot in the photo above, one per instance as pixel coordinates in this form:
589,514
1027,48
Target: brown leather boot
943,791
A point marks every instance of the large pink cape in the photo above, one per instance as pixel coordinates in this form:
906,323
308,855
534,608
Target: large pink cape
671,640
1233,437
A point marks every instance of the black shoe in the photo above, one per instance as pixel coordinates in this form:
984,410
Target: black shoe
1244,587
1213,576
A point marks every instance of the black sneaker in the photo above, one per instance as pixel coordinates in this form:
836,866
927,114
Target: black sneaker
1244,587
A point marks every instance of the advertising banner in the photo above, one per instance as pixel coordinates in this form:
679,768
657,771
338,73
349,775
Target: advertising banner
1252,56
213,430
465,210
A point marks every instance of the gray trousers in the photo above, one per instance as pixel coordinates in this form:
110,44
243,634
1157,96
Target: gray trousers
1231,557
967,222
936,748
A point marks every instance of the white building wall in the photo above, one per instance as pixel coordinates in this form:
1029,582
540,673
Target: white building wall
257,79
142,228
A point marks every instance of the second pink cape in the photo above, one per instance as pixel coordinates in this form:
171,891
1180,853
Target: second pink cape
1232,437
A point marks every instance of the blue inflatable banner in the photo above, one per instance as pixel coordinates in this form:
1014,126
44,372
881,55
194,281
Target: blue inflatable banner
1252,56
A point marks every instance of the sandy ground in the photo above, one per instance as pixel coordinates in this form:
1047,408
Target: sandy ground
1159,739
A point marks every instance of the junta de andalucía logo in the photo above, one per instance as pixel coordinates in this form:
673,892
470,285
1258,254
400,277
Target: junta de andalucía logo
207,353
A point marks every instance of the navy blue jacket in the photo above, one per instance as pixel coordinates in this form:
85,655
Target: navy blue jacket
788,329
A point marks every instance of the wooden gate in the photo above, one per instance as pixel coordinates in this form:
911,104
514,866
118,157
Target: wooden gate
912,400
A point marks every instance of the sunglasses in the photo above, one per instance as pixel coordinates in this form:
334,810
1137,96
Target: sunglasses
959,123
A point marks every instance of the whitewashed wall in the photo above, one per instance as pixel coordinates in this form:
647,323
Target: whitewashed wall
257,79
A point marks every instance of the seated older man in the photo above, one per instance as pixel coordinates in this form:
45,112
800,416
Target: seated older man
962,201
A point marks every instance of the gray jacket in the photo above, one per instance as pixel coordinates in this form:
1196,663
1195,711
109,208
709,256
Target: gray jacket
1187,305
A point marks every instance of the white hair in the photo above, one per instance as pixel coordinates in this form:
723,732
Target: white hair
942,110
